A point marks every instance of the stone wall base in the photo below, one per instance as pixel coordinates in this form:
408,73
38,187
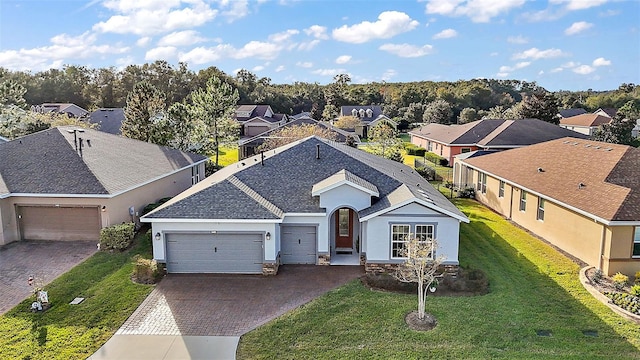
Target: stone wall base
270,269
324,259
377,268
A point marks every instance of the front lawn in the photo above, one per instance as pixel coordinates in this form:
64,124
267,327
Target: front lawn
77,331
533,289
227,155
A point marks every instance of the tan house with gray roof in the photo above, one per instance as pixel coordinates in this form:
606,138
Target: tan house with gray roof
582,196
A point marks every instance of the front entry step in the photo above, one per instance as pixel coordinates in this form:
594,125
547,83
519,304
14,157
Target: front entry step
344,250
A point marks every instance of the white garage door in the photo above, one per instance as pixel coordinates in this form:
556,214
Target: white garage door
214,253
298,244
59,223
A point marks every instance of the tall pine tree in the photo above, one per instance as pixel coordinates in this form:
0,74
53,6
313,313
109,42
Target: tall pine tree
145,105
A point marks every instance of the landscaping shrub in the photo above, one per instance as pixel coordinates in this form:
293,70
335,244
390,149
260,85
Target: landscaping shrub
637,278
146,271
150,207
635,290
117,237
467,193
467,281
420,151
427,173
626,301
434,158
619,280
597,276
443,162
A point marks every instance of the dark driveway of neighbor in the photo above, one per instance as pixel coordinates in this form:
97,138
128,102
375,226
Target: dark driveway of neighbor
231,305
44,260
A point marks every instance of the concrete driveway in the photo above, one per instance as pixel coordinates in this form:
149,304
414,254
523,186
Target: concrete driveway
201,316
44,260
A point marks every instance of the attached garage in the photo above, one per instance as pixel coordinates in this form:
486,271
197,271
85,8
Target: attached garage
214,253
298,244
59,222
253,130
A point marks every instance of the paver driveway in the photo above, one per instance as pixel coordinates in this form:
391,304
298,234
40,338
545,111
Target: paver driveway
44,260
230,305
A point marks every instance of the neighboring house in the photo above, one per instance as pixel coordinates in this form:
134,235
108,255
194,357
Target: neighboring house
313,201
488,134
369,116
109,120
72,110
249,146
256,119
582,196
608,112
585,124
66,183
566,113
635,132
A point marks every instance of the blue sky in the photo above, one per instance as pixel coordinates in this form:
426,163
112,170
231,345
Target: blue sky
560,44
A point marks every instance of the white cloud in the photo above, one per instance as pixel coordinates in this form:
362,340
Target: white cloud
578,4
601,62
306,46
124,62
160,53
343,59
202,55
577,27
149,17
407,50
556,70
535,54
181,38
476,10
306,64
280,68
143,41
234,10
517,39
583,69
446,34
257,68
64,49
317,31
283,36
389,24
329,72
258,49
502,74
520,65
389,74
541,72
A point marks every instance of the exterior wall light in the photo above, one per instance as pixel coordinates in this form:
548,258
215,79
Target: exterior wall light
267,236
157,237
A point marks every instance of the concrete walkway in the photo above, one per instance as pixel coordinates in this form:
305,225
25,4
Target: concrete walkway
44,260
202,316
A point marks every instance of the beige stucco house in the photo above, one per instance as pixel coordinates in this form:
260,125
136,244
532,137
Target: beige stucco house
581,196
67,183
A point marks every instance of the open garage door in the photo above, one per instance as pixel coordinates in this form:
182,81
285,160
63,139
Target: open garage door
298,244
59,223
214,253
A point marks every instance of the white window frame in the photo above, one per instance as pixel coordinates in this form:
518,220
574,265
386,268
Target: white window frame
523,201
424,235
195,174
399,237
484,183
540,213
501,189
636,242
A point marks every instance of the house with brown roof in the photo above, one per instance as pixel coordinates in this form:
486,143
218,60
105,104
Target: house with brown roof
581,196
256,119
448,141
585,123
369,116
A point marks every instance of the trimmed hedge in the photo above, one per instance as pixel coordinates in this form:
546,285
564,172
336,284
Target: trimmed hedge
146,271
117,237
434,158
415,150
150,207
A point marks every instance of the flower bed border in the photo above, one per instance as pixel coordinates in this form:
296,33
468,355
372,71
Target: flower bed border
586,282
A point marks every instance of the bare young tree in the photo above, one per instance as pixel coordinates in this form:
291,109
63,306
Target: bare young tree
420,267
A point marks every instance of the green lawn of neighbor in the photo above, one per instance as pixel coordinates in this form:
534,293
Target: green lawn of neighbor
77,331
227,155
532,287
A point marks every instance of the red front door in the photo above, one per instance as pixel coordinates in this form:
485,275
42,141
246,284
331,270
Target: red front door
344,228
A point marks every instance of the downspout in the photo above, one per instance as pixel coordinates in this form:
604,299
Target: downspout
604,232
511,205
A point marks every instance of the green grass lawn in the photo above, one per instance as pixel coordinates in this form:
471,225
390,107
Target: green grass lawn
227,155
77,331
533,287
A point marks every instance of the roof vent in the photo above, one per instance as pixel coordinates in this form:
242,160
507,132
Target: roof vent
317,151
581,185
587,145
597,147
540,170
608,149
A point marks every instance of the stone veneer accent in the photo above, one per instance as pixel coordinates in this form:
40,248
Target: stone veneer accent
324,259
270,269
377,268
363,259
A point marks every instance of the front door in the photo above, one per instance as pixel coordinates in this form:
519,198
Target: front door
344,228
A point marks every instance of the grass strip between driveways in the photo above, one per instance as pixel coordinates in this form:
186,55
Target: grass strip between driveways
77,331
533,288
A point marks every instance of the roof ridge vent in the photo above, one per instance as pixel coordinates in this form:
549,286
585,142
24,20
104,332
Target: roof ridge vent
581,185
540,170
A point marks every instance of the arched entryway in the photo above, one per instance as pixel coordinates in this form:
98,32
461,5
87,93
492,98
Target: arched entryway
345,237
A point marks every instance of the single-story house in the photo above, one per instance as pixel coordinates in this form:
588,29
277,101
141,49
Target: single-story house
369,116
581,196
256,119
249,146
635,132
585,124
448,141
565,113
313,201
72,110
109,120
67,183
608,112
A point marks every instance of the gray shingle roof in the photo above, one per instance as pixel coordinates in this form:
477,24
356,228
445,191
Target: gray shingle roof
47,162
109,120
287,177
345,176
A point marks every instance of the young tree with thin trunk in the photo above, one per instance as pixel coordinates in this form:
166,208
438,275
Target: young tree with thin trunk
420,266
215,105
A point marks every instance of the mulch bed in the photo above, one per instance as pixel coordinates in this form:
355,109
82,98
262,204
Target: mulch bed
415,323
